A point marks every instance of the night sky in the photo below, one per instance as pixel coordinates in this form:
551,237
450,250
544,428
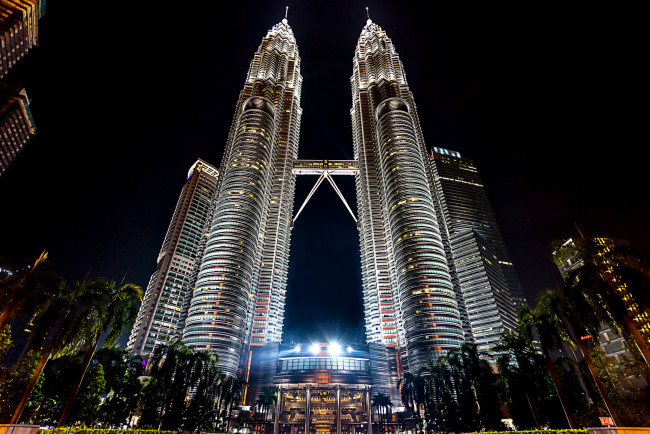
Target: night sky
546,99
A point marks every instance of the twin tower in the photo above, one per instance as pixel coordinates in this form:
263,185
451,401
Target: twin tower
410,301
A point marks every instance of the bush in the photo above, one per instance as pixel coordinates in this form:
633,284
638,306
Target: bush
537,431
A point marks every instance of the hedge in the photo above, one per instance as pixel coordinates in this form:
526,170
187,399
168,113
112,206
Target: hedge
536,431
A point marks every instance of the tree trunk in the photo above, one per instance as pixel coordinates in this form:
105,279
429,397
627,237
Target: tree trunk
9,310
75,389
599,382
558,388
45,357
533,407
32,382
636,336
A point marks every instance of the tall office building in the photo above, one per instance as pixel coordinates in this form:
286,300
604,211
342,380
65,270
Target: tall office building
466,206
16,124
409,298
240,291
486,277
18,31
161,316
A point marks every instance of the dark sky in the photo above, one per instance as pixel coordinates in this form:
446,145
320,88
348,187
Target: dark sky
547,99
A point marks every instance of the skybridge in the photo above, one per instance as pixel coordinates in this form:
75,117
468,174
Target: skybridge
325,169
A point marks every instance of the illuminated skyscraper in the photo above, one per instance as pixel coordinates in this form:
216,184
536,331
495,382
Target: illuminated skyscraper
16,124
486,276
18,31
161,316
408,294
240,292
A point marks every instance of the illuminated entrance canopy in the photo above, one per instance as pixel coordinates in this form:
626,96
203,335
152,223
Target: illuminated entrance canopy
325,168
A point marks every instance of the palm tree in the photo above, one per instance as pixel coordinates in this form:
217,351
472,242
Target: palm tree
579,315
69,310
603,278
266,400
25,288
548,325
117,314
513,342
412,391
383,404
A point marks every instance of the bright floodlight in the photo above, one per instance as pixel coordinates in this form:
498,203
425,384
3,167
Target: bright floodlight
314,348
334,349
297,348
350,349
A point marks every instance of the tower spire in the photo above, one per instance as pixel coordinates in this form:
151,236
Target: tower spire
286,12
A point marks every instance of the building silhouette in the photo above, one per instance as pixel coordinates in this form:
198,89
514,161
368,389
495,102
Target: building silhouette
162,314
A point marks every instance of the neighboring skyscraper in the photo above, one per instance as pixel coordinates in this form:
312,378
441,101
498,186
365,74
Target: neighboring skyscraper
16,125
408,295
486,276
240,291
18,34
160,319
18,31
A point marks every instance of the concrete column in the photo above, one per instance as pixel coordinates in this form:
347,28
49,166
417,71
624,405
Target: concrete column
307,410
338,409
278,406
369,408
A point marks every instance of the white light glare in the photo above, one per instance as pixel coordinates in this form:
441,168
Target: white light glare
314,348
297,348
334,349
350,349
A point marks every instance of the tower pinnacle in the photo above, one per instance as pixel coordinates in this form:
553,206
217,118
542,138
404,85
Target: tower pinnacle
286,12
369,21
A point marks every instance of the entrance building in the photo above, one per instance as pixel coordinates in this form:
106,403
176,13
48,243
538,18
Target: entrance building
322,388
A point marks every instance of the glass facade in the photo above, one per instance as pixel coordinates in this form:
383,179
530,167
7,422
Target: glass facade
162,313
409,298
241,284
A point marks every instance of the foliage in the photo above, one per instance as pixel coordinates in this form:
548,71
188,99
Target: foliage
538,431
12,384
5,340
176,368
123,387
632,402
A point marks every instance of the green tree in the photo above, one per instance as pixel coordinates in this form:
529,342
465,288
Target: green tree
123,387
544,321
606,274
13,382
71,312
579,315
86,408
118,313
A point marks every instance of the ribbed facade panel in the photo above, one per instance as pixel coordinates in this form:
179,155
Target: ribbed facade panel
241,285
161,316
409,299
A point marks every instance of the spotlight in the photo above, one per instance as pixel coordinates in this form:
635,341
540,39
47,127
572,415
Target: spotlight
350,349
314,348
297,348
334,349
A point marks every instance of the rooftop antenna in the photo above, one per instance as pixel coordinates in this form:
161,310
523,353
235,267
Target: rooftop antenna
367,12
286,12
